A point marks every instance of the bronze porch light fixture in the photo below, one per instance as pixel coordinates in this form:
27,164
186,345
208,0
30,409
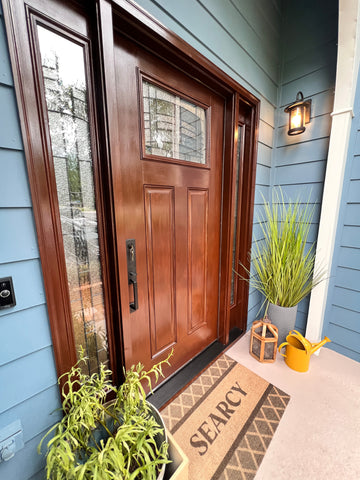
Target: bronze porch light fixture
299,114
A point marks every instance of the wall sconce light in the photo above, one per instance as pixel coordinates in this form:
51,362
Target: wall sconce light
299,114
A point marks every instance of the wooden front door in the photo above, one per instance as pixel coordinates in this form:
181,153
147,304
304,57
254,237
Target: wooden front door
167,186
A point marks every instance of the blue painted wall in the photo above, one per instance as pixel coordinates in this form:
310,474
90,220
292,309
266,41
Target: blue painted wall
28,389
308,64
342,314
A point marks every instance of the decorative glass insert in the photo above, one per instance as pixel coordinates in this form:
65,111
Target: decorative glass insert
173,127
237,170
63,68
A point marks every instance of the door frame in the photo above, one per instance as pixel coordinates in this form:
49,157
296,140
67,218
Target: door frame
134,22
104,17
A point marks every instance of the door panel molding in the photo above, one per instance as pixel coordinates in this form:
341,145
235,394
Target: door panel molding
160,248
198,208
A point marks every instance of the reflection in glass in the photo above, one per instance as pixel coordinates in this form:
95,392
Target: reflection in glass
237,170
66,99
173,127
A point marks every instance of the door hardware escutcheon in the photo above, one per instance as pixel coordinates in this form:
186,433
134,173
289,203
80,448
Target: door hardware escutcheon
132,274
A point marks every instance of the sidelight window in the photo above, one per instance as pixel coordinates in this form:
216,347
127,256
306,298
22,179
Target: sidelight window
235,236
63,69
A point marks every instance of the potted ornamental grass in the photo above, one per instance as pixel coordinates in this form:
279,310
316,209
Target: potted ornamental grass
99,440
283,260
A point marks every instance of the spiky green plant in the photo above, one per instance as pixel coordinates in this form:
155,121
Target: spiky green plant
101,441
282,260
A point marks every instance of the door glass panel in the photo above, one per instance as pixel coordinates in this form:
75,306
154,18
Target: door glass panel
173,127
237,170
66,96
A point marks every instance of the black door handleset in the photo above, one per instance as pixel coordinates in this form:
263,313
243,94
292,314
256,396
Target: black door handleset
132,275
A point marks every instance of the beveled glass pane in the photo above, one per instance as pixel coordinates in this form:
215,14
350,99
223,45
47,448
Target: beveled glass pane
237,170
63,70
173,127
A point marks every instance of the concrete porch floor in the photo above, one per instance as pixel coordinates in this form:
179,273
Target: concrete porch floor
319,434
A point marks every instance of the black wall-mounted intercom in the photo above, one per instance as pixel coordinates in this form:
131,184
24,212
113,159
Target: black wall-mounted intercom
7,294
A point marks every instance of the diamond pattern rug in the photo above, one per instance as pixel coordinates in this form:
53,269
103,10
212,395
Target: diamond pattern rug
225,420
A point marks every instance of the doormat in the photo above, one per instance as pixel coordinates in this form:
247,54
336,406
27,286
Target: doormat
225,420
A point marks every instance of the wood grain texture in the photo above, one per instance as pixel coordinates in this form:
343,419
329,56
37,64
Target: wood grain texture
160,246
198,211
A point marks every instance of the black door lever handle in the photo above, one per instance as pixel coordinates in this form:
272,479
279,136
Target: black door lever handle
132,281
132,275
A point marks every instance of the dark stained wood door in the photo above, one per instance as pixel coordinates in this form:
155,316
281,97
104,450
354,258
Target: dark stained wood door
167,195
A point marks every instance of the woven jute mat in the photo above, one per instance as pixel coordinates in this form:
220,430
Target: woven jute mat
225,420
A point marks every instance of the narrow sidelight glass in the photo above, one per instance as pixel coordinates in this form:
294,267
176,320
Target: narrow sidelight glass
237,172
66,93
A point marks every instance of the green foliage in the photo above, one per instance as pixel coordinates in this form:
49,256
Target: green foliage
283,262
105,441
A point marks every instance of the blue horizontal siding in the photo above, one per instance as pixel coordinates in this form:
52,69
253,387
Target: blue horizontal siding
266,133
18,237
345,337
267,112
346,298
341,349
308,25
38,476
200,27
302,152
14,185
26,331
349,257
351,236
263,174
311,192
5,69
43,413
350,214
264,15
25,464
348,278
343,317
310,84
232,19
264,154
27,376
355,168
307,172
354,191
10,134
318,57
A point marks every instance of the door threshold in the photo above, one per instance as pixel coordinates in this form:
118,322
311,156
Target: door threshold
182,378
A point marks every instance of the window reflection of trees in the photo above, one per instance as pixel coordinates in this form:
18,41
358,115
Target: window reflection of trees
173,127
70,141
